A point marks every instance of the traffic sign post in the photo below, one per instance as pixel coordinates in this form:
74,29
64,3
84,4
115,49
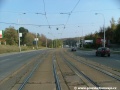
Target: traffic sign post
36,41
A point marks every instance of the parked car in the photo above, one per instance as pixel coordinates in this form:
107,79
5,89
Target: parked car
73,49
102,51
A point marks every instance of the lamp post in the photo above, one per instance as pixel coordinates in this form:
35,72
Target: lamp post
103,26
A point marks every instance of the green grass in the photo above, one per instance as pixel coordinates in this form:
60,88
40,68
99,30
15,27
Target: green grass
13,48
8,48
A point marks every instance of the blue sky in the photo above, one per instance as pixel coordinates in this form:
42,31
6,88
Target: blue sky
83,15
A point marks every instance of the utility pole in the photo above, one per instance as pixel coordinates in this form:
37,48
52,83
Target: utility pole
36,41
19,38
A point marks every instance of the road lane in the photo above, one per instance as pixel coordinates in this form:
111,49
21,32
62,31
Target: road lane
11,62
113,61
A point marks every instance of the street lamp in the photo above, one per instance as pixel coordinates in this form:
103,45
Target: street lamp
103,26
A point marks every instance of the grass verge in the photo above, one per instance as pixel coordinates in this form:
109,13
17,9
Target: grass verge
14,48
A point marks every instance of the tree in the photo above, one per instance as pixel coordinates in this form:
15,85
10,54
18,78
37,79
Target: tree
24,32
43,40
49,43
113,25
11,36
101,32
29,38
119,21
117,34
110,34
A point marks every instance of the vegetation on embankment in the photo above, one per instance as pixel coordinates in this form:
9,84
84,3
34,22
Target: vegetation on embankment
13,48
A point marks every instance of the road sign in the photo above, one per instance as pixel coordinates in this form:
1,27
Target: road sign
1,34
20,34
36,39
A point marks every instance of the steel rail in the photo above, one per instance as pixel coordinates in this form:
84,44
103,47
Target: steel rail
58,87
29,76
73,67
98,68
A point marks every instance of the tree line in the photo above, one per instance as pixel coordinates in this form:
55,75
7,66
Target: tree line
112,34
27,39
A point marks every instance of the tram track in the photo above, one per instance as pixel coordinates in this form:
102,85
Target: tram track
58,87
29,76
79,73
70,77
113,74
60,70
113,79
43,76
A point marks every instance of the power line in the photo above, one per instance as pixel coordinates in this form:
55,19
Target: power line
75,6
22,12
31,24
44,5
70,13
94,10
45,13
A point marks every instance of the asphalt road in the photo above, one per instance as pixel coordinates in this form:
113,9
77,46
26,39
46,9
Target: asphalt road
113,61
11,62
68,70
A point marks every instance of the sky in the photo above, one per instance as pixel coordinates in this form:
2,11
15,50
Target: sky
58,18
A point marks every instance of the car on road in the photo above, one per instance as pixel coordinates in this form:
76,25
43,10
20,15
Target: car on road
102,51
73,49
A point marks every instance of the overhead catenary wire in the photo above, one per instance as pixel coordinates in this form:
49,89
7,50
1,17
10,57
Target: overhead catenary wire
42,13
70,13
75,6
31,24
46,13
